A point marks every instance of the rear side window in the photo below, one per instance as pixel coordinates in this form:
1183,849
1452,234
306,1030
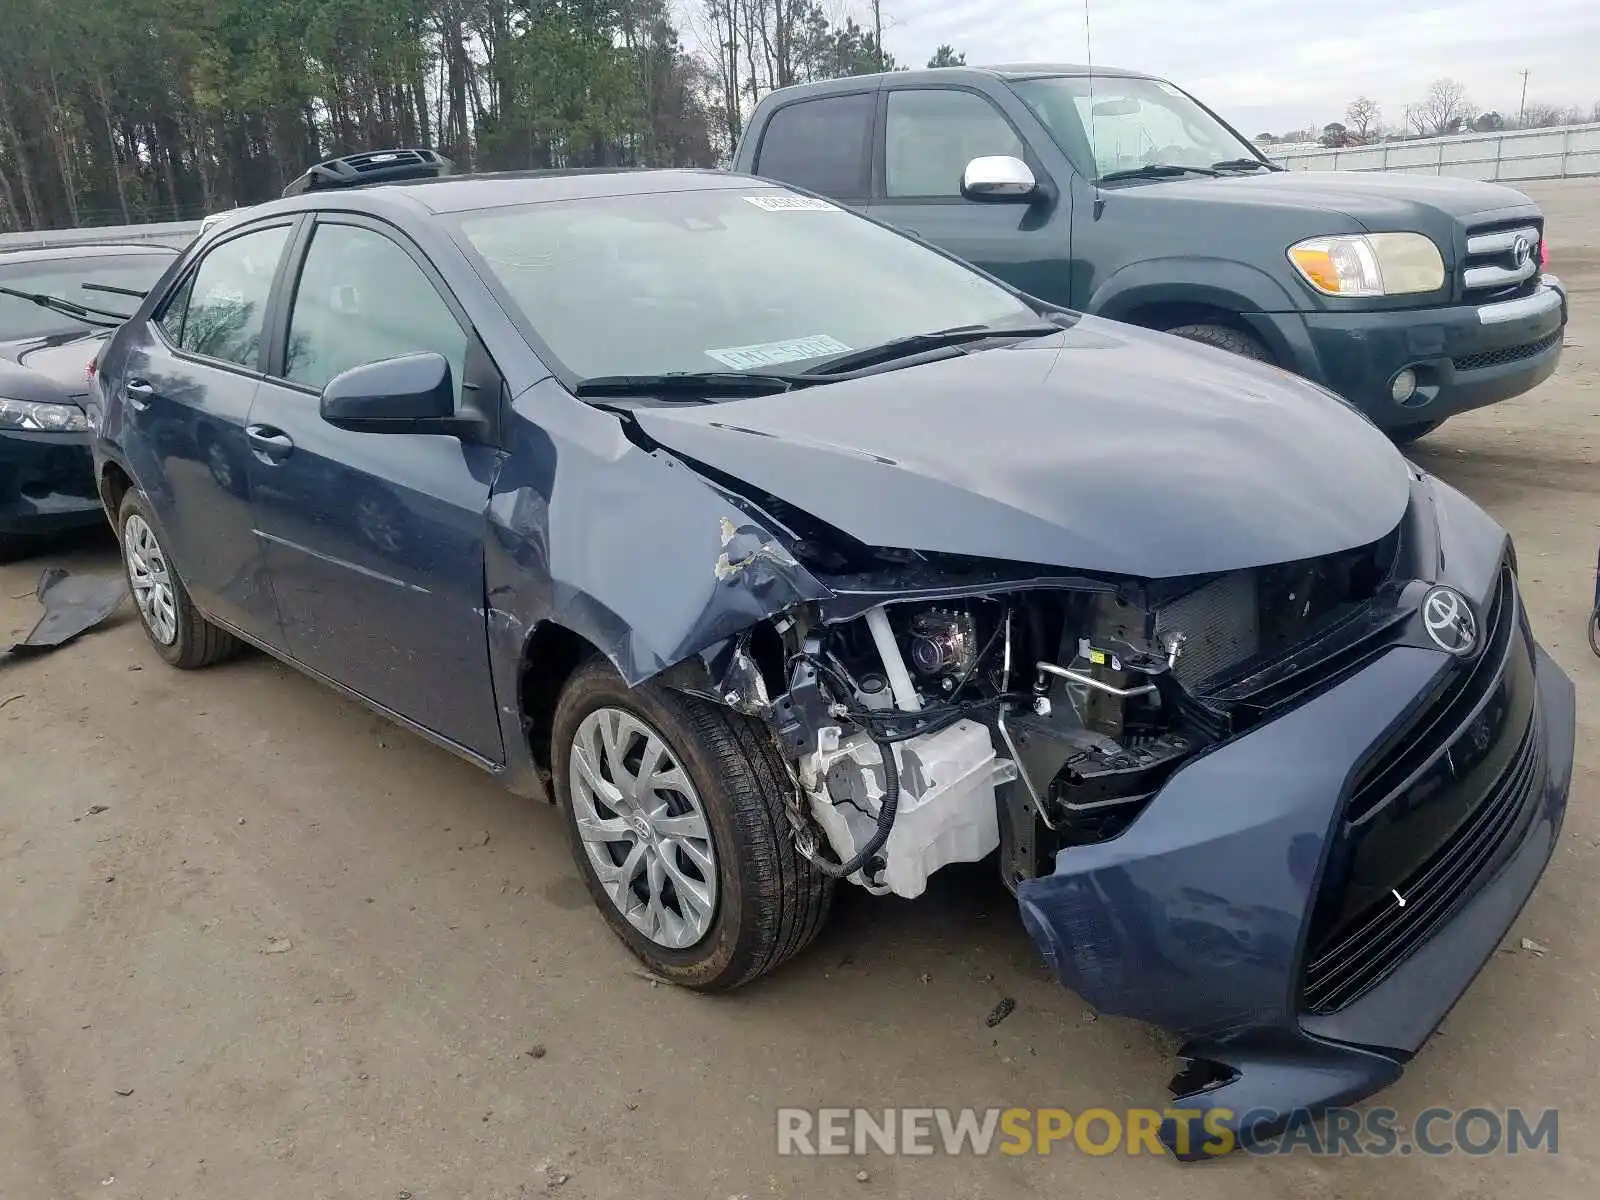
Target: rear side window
220,313
930,137
820,145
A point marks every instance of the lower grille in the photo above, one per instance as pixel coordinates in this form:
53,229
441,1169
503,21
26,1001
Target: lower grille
1368,952
1508,354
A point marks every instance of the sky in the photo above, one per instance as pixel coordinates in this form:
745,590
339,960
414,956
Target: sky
1274,65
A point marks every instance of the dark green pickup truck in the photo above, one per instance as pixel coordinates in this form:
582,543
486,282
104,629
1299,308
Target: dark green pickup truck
1413,297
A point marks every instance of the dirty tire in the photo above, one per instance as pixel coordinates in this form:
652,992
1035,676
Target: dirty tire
198,643
770,902
1234,341
1404,435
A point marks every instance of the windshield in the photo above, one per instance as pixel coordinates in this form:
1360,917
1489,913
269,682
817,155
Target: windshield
1124,124
64,278
742,279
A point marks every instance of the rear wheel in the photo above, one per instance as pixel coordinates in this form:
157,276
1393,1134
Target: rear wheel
1224,337
177,630
675,816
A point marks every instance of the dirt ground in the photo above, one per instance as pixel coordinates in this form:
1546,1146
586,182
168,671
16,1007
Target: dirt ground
302,954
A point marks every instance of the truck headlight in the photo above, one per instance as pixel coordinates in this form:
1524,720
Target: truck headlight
1369,264
42,418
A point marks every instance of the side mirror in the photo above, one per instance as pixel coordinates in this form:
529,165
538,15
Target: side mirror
998,177
414,393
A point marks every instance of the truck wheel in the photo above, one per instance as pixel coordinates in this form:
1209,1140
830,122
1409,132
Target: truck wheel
675,816
180,635
1404,435
1223,338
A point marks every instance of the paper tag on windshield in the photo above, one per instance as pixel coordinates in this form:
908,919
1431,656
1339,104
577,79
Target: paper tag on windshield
783,203
766,354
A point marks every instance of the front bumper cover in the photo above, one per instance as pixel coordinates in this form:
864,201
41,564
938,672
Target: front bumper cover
1196,917
46,482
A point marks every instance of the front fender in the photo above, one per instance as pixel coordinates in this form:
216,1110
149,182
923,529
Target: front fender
1219,282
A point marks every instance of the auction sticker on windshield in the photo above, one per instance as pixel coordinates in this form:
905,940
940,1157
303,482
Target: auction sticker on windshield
791,204
765,354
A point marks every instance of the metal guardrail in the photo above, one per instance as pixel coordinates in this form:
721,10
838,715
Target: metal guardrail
1564,152
176,234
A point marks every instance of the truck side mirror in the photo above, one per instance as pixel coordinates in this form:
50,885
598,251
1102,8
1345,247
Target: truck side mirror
998,177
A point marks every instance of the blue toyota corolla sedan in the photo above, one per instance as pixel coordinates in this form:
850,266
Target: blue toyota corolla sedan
788,550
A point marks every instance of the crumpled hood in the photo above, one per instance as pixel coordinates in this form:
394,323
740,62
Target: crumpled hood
62,360
1377,200
1104,448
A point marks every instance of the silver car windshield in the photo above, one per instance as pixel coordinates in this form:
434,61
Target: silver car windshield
731,279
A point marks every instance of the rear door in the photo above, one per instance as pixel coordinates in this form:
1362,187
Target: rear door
823,145
188,377
374,542
929,135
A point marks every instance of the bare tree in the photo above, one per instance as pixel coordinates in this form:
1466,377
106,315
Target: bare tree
1362,117
1445,109
1537,115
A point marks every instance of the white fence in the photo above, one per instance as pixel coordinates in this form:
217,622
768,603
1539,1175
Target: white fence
1566,152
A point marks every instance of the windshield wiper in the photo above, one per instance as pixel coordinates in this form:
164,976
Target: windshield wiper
67,308
1244,164
921,343
113,289
690,385
1156,171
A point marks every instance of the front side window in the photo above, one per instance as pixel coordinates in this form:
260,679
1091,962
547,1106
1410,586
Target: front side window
932,135
361,299
744,278
227,298
1125,124
820,145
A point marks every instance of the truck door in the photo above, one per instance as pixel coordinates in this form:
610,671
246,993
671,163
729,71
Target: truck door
929,135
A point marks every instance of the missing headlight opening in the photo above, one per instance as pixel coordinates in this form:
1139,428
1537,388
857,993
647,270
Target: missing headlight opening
923,733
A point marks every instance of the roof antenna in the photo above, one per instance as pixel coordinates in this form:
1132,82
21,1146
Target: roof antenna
1094,154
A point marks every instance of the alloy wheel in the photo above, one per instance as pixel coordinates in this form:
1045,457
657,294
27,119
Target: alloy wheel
643,828
151,579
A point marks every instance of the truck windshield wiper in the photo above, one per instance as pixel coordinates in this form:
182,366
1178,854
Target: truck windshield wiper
921,343
690,385
1156,171
1244,164
67,308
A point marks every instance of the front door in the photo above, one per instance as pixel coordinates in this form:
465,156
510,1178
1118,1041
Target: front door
929,137
374,542
188,380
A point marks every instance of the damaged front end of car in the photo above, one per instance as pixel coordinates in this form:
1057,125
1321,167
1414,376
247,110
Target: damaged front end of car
1264,809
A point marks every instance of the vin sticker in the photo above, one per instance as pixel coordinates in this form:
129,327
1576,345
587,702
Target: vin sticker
781,203
765,354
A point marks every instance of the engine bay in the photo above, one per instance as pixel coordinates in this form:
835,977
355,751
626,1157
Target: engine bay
923,733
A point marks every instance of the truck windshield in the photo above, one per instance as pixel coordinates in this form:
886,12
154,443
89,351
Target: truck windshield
1122,125
751,278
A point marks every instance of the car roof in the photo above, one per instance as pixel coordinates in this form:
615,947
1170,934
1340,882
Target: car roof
463,193
947,75
85,250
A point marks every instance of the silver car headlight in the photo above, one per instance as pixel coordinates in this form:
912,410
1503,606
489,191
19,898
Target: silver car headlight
1369,264
42,418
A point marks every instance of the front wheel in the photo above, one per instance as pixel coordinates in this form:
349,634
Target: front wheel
1404,435
675,816
1224,337
177,630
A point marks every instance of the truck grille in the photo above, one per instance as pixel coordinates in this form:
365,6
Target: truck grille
1430,816
1501,261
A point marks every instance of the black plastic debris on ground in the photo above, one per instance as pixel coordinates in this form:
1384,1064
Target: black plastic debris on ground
73,605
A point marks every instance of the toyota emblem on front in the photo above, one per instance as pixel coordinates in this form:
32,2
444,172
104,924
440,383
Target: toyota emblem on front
1448,620
1521,251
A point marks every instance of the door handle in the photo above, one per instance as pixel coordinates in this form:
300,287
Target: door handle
138,394
269,444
